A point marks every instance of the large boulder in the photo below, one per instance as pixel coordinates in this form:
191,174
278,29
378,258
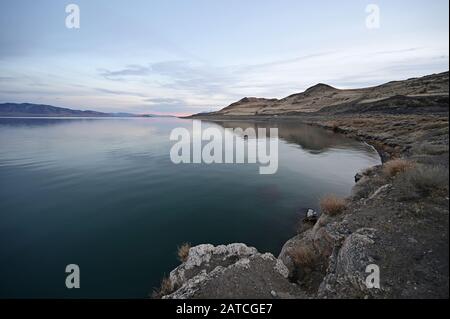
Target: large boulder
346,275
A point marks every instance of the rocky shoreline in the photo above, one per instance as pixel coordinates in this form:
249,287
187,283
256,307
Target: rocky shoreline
388,221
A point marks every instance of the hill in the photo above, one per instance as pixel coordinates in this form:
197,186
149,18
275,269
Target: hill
40,110
410,96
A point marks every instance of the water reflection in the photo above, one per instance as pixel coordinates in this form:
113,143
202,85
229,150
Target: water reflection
314,140
42,121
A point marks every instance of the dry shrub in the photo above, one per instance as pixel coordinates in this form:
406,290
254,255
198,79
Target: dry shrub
369,170
334,126
332,205
426,179
166,288
303,256
183,252
396,166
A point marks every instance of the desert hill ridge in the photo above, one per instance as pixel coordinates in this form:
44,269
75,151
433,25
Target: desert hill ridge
428,90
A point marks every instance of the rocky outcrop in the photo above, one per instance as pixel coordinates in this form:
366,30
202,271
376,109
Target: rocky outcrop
239,271
231,271
330,259
346,273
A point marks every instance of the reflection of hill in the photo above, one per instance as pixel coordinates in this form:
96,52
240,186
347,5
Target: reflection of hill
41,121
312,139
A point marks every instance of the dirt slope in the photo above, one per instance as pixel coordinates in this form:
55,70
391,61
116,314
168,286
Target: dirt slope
321,96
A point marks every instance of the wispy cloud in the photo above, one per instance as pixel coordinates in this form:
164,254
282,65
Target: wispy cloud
119,92
177,75
164,101
129,70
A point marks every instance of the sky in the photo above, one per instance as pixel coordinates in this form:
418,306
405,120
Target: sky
183,57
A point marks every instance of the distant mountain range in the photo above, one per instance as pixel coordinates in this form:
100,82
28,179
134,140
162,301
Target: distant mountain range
41,110
417,95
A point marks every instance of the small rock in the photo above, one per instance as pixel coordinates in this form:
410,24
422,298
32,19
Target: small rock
311,213
273,293
358,177
311,217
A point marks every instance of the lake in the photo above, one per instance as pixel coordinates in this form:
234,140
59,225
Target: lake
105,195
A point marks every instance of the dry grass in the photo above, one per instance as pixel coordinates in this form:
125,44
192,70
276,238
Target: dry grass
166,288
183,252
332,205
360,122
396,166
303,256
436,125
426,179
432,149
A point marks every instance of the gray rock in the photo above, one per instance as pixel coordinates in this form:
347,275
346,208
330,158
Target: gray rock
311,213
285,254
346,273
358,176
232,271
206,257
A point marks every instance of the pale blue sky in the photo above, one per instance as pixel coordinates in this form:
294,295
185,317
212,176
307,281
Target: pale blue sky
172,56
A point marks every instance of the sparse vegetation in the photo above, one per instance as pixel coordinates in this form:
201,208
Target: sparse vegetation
303,256
332,205
436,125
357,122
440,132
426,179
183,252
334,126
432,149
396,166
165,288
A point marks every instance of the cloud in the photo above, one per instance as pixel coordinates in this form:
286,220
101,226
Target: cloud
173,108
176,74
7,78
164,101
120,92
285,61
129,70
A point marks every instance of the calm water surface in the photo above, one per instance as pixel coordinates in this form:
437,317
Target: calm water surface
104,194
